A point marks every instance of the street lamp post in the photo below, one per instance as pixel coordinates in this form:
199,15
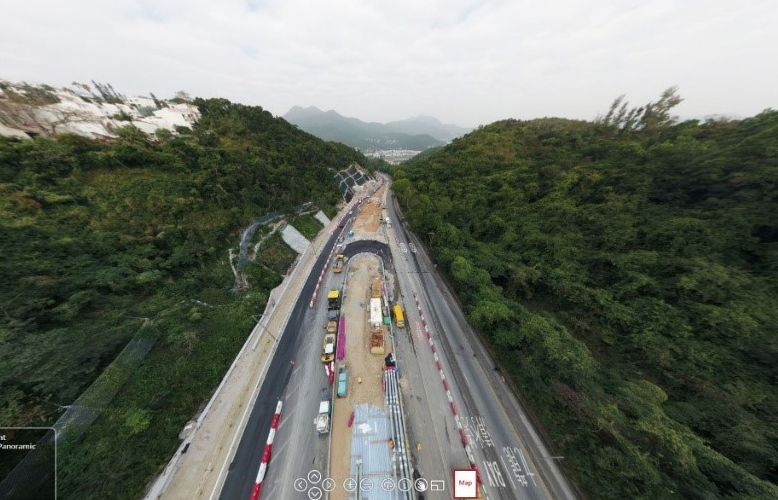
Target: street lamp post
263,327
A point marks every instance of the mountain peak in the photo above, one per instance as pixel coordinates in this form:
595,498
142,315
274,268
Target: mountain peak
425,119
303,112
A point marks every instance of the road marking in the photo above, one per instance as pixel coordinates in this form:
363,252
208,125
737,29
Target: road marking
482,435
526,467
279,450
494,474
509,477
515,466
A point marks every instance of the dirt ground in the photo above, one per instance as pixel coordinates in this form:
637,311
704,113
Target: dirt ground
361,364
369,217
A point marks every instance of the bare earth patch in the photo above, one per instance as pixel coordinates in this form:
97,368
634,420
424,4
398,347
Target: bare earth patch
361,365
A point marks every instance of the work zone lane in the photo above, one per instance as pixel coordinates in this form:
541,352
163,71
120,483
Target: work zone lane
435,441
299,450
244,465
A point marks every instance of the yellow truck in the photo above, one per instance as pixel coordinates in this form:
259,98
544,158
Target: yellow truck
337,267
399,319
333,299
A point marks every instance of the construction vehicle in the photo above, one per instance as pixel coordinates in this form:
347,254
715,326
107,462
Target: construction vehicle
333,299
322,420
376,316
342,382
399,319
332,326
377,342
328,348
338,266
375,289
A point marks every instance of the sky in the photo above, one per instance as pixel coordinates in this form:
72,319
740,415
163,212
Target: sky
466,62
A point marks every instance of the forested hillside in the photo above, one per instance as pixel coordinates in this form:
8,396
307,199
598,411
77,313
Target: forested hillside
626,274
103,242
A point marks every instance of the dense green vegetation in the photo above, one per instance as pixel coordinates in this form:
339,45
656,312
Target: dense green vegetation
307,224
103,242
626,274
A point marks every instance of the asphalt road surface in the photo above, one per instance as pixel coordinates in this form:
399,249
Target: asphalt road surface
511,458
299,343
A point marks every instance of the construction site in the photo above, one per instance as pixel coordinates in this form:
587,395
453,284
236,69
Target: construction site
368,437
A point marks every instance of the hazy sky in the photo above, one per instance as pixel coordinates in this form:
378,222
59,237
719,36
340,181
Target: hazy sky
463,61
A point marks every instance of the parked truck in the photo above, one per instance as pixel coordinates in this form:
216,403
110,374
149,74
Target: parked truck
376,316
375,288
399,319
332,326
333,299
322,420
328,348
339,261
342,382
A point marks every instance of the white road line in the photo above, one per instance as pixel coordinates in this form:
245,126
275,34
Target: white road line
506,469
278,450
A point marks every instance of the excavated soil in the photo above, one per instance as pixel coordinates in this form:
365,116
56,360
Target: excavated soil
369,216
361,364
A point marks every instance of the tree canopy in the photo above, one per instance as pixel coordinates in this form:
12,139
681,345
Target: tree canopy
624,272
101,242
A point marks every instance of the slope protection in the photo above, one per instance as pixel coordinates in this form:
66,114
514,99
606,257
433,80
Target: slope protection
625,278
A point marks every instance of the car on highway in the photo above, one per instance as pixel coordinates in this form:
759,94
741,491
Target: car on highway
342,381
328,348
322,420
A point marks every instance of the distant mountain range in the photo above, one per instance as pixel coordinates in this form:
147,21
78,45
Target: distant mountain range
416,134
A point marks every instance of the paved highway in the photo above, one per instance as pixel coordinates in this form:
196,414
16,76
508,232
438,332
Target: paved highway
512,460
297,448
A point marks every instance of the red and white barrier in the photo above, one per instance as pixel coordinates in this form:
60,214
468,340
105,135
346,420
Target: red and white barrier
266,454
449,396
330,369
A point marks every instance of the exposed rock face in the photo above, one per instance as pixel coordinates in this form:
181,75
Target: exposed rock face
28,110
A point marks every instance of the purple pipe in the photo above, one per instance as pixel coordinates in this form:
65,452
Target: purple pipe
341,351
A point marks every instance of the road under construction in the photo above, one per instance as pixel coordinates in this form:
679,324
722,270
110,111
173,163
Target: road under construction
416,403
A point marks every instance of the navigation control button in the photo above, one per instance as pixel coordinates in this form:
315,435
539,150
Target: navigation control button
387,484
350,484
314,476
328,484
300,484
366,484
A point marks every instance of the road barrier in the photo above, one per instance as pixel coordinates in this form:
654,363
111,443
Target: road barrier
447,388
266,454
341,352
